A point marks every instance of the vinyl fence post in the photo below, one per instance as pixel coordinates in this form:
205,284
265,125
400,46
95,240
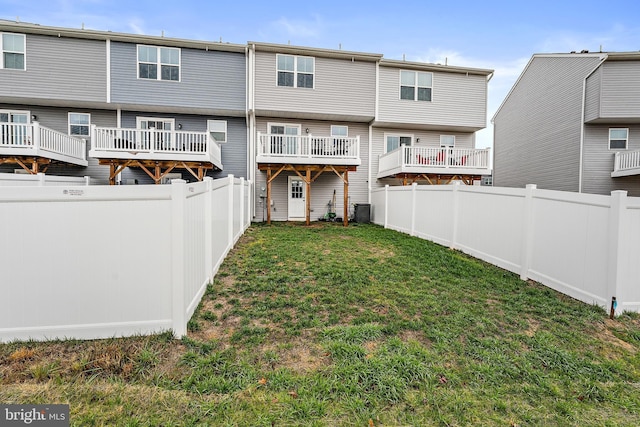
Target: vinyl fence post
616,249
414,187
230,222
526,248
242,205
386,205
208,229
454,213
41,179
178,197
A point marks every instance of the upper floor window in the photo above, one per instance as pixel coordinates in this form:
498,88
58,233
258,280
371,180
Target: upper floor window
295,71
447,141
618,138
395,141
158,63
218,130
12,47
416,85
79,124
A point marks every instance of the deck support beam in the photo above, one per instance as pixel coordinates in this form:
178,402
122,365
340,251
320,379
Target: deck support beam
156,170
309,174
33,165
435,179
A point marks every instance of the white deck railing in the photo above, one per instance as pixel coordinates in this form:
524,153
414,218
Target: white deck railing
407,159
19,139
626,163
324,149
154,145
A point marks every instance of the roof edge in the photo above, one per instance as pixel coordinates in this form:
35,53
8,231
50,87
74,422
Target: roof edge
28,28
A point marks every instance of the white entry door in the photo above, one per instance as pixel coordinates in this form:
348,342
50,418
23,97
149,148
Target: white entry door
297,198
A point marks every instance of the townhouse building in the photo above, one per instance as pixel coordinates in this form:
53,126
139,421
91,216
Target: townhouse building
315,130
120,107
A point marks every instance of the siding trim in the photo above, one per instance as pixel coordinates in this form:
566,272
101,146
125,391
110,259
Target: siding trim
108,71
582,118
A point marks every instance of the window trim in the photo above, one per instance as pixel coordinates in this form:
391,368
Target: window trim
626,141
87,125
226,130
158,63
21,112
399,135
415,85
295,70
445,145
155,119
286,125
340,136
2,51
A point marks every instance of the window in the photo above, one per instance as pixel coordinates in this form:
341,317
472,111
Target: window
284,138
158,63
618,138
337,130
13,49
448,141
295,71
395,141
13,127
218,130
415,86
79,124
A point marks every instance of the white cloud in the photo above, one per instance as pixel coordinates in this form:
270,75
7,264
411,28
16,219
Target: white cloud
298,29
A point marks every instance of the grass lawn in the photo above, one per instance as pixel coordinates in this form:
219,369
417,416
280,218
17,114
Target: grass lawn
357,326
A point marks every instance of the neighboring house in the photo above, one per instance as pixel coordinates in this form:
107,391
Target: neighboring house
146,106
572,122
324,120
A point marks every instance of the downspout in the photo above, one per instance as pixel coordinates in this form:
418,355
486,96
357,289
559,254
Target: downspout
250,127
375,118
108,71
582,118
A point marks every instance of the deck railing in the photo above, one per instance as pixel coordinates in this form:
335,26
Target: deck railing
308,146
36,140
434,158
626,163
151,141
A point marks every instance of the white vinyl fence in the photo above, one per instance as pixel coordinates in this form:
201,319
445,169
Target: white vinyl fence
103,261
583,245
41,180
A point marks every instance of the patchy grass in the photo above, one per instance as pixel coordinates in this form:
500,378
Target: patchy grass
361,326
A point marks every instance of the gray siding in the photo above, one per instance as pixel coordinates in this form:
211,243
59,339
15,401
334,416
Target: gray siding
598,161
322,189
427,139
537,129
592,96
620,89
57,119
341,88
59,69
458,100
208,79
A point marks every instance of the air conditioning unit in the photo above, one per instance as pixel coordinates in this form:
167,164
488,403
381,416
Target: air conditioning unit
21,171
168,177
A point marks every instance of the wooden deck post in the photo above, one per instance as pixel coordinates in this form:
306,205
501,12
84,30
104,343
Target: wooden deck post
112,173
345,219
269,196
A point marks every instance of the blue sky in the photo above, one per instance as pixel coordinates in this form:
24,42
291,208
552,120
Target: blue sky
500,35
